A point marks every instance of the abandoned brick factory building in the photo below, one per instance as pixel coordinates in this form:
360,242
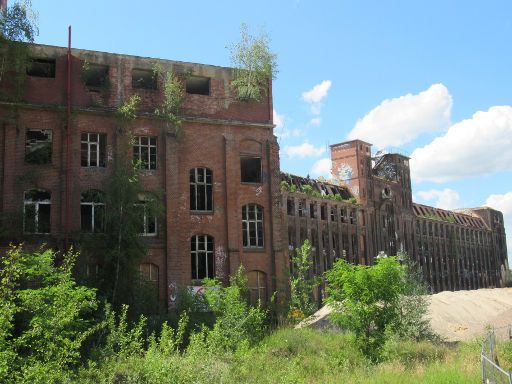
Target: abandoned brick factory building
225,200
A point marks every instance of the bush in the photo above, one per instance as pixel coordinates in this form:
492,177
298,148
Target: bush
44,316
302,303
366,300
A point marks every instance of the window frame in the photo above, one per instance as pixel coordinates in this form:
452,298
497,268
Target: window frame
100,145
146,218
95,206
196,185
146,164
257,225
36,204
196,254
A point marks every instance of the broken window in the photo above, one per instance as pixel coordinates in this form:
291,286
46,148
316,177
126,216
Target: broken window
333,214
201,189
94,75
353,219
290,207
302,208
198,85
252,226
144,152
257,284
312,210
36,211
147,220
149,272
250,167
93,149
201,247
92,211
41,68
323,212
143,79
38,146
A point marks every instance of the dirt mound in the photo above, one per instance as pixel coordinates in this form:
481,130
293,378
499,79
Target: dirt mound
460,315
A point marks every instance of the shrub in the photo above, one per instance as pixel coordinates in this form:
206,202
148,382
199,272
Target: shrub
44,316
302,303
366,300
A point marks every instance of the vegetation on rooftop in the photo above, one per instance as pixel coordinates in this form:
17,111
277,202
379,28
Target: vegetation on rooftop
309,191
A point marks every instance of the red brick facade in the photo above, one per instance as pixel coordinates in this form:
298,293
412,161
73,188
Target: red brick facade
216,131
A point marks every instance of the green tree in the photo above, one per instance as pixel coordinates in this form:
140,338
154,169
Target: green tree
121,247
255,65
18,25
366,300
237,324
302,303
44,316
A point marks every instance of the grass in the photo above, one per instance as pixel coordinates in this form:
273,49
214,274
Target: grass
301,356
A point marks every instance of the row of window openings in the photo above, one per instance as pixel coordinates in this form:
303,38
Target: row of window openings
38,150
203,267
97,75
348,216
464,235
37,205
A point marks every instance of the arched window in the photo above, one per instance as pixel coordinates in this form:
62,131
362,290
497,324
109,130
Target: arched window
145,207
201,252
201,192
257,282
92,211
252,226
149,272
36,211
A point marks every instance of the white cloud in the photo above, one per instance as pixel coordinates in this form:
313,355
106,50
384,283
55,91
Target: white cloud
322,167
278,119
304,150
473,147
398,121
446,198
315,95
503,203
315,121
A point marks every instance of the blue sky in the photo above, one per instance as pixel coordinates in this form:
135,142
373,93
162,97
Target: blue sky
431,79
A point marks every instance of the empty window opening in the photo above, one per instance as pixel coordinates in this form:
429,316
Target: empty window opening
146,218
144,152
353,219
41,68
94,75
201,247
92,212
201,192
93,148
252,226
36,211
198,85
290,207
38,146
323,212
250,169
143,79
312,210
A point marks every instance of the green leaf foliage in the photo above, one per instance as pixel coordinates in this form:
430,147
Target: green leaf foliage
366,300
254,65
44,316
